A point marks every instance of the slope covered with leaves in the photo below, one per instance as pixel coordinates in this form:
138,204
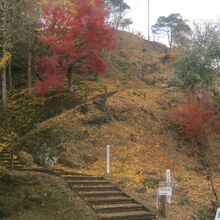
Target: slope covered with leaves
143,143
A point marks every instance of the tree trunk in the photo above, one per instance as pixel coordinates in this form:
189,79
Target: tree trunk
29,72
4,82
70,77
10,76
120,16
4,88
171,37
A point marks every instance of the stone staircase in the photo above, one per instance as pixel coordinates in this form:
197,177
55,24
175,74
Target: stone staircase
107,200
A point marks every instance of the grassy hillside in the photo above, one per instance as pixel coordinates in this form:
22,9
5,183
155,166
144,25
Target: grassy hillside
134,122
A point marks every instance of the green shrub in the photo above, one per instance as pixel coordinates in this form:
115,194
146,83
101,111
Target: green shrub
189,167
216,97
204,213
179,178
183,200
152,184
173,81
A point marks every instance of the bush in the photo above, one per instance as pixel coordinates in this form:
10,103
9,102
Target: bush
194,68
216,97
204,213
183,200
198,119
173,81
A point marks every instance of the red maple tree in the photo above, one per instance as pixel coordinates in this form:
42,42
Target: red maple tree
75,34
198,119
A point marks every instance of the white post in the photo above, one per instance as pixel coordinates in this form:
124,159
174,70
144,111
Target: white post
108,159
168,182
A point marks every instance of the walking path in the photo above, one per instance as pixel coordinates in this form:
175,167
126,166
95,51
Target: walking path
107,200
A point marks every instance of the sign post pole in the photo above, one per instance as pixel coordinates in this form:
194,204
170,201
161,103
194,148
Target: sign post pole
217,217
168,181
163,207
108,159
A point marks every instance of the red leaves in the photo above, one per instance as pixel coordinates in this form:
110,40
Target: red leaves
53,71
197,119
75,33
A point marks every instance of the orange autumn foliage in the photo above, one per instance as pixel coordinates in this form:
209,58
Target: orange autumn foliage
198,119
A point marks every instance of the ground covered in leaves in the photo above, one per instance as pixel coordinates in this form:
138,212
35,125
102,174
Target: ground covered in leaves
143,146
134,122
25,196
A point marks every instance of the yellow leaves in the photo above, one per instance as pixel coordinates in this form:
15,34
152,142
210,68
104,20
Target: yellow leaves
5,59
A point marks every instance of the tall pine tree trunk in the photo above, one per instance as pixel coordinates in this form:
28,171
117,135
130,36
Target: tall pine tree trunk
29,72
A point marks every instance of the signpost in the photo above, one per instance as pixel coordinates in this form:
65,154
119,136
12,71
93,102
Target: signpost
168,181
217,217
108,159
165,191
164,194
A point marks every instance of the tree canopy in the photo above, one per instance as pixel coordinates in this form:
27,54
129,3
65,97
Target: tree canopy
117,10
75,36
174,27
199,63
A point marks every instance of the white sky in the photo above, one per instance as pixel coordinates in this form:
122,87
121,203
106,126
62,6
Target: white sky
191,10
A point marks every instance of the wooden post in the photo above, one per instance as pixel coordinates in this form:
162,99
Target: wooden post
12,159
163,210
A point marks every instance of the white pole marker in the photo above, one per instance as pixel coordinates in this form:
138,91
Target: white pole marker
168,181
108,159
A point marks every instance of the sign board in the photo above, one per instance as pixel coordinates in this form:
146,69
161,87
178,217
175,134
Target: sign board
217,217
165,191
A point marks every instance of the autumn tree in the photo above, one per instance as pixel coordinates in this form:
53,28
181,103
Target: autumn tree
174,27
75,35
197,119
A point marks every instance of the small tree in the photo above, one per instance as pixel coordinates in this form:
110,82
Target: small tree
193,68
198,64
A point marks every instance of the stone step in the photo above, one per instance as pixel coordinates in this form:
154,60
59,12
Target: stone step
110,200
118,207
8,161
16,166
128,215
101,193
82,177
87,182
8,155
63,173
94,188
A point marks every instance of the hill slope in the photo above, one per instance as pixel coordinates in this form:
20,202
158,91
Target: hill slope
133,123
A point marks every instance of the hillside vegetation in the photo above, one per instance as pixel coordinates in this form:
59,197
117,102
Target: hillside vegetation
134,122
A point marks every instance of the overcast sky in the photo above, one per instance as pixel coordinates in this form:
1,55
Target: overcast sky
189,9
